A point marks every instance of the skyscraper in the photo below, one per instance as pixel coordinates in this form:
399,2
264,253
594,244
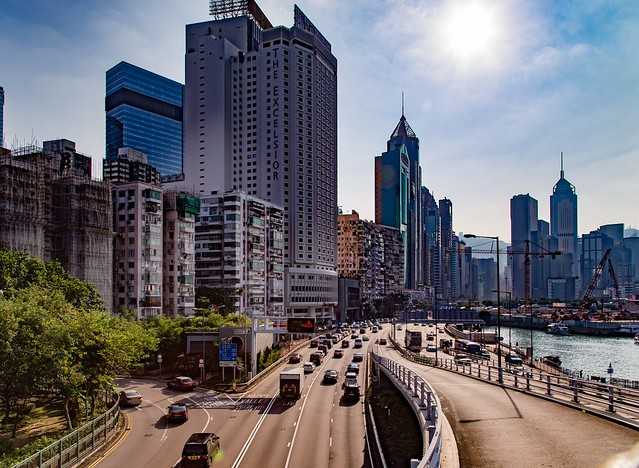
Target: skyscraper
1,116
443,289
144,112
391,195
523,227
403,135
563,216
261,117
430,238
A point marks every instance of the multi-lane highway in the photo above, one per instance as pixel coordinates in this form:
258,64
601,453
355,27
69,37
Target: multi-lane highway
498,427
256,429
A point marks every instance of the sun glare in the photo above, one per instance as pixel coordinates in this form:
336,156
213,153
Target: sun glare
470,31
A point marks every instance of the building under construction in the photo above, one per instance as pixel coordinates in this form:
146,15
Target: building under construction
51,208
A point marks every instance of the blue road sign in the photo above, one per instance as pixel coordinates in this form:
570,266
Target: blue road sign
228,354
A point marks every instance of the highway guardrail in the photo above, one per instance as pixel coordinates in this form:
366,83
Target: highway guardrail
613,402
74,447
425,405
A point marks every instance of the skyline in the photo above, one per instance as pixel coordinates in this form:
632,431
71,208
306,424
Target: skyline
566,77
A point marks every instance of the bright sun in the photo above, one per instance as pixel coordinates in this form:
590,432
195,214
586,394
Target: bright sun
470,30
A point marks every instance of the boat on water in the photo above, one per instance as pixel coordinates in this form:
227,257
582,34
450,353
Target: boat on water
558,329
553,361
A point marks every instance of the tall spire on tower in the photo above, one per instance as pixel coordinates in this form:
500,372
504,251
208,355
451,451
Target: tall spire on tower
402,103
561,173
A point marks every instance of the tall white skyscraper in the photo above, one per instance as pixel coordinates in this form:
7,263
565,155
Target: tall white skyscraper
260,116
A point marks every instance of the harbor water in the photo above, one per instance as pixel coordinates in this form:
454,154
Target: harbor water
578,352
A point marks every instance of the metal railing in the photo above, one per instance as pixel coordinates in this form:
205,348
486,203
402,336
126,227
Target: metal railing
424,402
608,399
77,445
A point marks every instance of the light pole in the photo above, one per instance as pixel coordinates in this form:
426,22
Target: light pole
496,238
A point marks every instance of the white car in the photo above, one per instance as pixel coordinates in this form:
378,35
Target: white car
309,367
431,348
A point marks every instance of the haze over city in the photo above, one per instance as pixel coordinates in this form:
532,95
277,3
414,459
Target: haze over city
494,90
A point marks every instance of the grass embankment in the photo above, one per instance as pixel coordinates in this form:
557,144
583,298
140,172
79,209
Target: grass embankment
397,425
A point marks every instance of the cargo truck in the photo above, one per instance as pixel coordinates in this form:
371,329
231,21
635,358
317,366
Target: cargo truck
291,383
413,341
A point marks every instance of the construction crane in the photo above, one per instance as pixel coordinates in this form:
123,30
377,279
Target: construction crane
587,300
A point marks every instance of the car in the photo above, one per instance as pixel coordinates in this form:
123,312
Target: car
463,361
313,344
338,353
295,358
345,344
328,343
374,330
323,349
357,343
431,348
365,337
350,375
353,336
430,337
358,357
177,412
484,354
399,327
130,398
353,367
362,331
330,376
200,450
309,367
316,358
182,383
514,360
383,342
335,339
351,388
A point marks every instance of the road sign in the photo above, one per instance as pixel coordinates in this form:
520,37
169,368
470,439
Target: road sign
301,325
159,359
201,363
228,354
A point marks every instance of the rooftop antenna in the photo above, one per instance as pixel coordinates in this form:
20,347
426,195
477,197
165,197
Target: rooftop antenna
562,165
402,103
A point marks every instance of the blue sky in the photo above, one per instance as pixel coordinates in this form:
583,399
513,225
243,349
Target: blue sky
554,76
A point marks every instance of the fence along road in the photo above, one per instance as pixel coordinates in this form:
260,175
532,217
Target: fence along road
499,427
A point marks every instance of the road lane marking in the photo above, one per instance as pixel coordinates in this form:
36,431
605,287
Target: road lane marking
330,441
297,426
166,421
253,433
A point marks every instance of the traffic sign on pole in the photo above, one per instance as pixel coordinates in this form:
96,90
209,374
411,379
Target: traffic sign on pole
228,354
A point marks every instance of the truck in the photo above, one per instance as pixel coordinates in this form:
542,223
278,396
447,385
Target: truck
413,341
291,383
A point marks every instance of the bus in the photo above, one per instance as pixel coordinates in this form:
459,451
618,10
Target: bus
467,346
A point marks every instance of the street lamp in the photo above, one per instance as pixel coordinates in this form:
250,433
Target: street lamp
496,238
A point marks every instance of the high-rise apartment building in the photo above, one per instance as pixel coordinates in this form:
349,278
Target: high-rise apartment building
398,198
178,279
144,112
430,238
371,253
130,165
137,248
261,117
239,247
1,117
52,209
523,228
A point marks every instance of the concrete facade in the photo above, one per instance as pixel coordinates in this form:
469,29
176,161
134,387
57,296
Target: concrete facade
261,117
239,244
51,208
180,210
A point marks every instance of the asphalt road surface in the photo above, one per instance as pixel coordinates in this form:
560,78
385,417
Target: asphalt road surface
256,429
496,427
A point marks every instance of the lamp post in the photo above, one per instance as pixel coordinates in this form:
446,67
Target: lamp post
496,238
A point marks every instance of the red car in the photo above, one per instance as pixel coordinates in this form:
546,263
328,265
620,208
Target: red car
182,383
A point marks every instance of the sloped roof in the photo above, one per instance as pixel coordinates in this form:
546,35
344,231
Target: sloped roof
403,129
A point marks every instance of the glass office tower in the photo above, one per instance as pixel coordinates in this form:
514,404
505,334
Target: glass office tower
144,112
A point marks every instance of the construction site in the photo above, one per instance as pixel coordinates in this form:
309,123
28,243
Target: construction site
52,208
